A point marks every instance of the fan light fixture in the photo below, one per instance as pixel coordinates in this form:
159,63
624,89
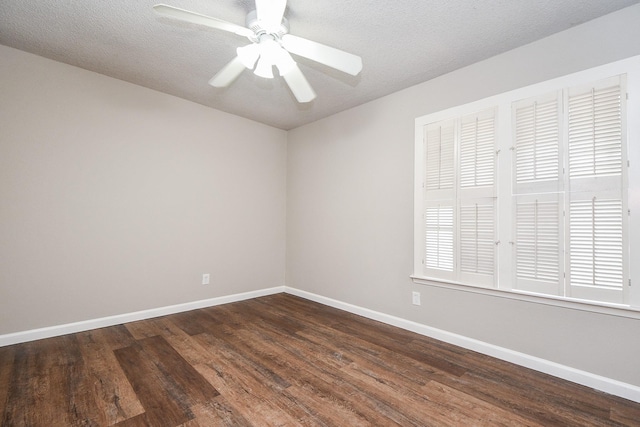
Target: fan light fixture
266,53
268,31
249,55
264,68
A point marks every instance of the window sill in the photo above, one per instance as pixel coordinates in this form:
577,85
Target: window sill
570,303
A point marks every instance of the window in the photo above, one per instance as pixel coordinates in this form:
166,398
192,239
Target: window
528,192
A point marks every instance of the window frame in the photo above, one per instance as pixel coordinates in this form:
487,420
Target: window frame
505,262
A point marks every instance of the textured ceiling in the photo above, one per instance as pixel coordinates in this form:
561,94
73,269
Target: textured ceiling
402,43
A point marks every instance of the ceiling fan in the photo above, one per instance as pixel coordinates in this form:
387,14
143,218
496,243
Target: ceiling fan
271,45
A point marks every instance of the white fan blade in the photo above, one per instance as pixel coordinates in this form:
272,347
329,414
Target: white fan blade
270,12
228,74
334,58
299,85
196,18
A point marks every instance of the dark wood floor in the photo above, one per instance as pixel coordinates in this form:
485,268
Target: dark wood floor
283,361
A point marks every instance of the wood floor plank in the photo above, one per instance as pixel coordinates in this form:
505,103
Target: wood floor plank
533,405
177,370
323,407
164,404
252,363
312,374
366,353
253,400
221,368
115,399
415,408
255,389
284,361
23,387
41,392
83,409
115,337
296,345
455,408
196,322
523,382
7,355
256,394
219,413
257,313
626,413
393,339
145,328
189,348
140,420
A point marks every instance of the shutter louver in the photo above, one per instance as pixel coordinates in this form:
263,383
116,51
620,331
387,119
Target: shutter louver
536,142
477,244
439,237
537,241
595,133
439,150
477,151
596,243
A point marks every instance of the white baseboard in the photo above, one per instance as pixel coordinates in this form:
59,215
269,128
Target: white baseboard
69,328
598,382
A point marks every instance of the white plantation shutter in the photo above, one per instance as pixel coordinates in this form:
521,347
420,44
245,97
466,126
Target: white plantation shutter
597,205
477,241
439,141
439,238
595,132
477,150
593,205
597,249
538,244
439,196
537,178
537,162
459,199
476,198
595,241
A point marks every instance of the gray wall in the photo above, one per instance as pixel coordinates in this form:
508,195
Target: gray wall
350,209
115,198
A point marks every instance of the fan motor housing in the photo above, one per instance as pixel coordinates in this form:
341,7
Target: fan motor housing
254,25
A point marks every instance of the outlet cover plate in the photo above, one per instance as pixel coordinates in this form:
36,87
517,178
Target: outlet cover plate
416,298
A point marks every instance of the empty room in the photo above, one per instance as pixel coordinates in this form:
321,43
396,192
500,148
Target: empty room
336,213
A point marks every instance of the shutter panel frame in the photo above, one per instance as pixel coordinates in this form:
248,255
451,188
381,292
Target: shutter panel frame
538,250
477,196
537,131
439,195
597,261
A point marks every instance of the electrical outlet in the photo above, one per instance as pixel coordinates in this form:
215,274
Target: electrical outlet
205,278
416,298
